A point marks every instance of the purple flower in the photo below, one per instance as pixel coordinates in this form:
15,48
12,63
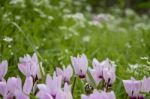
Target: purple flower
28,84
13,84
100,95
27,87
109,75
64,94
21,95
29,66
43,95
145,87
51,87
103,71
7,89
97,71
145,84
3,69
66,73
13,88
67,91
80,64
132,87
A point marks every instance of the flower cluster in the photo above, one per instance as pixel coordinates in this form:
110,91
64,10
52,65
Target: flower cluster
134,88
99,80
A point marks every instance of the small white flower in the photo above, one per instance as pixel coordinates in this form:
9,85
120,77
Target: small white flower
8,39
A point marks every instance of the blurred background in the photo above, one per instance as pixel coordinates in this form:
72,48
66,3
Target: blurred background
57,29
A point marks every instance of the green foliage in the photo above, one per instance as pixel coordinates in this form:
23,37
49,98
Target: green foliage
55,31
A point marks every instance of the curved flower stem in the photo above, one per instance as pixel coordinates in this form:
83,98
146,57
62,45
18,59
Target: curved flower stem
73,86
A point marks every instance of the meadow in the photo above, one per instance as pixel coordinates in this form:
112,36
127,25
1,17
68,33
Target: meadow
55,31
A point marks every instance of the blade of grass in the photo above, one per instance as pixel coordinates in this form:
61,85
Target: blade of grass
91,78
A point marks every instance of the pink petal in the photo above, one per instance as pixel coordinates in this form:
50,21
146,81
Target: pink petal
19,83
145,85
57,82
3,69
128,86
67,88
84,97
35,58
42,87
111,95
33,68
60,95
43,95
95,63
23,69
49,81
59,72
68,72
12,84
3,88
28,85
20,95
84,63
95,76
137,87
75,65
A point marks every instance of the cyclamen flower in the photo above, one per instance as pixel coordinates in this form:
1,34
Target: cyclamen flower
100,95
13,88
104,70
66,73
51,88
3,69
27,88
7,89
109,75
64,94
132,87
29,66
145,87
97,71
67,91
80,64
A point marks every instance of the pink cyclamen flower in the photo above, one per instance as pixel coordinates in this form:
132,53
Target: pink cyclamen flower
11,85
29,66
65,93
27,88
104,70
132,87
66,73
145,87
3,69
61,94
97,71
51,88
109,74
13,88
100,95
80,64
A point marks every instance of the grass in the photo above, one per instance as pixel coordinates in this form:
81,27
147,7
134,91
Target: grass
55,32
